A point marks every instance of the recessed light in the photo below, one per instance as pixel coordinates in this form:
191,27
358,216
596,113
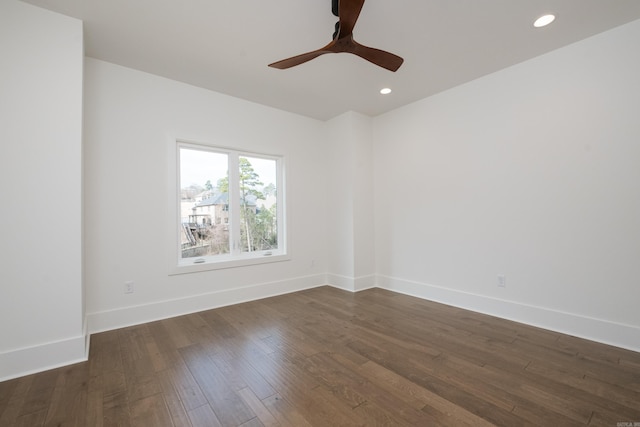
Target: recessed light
544,20
385,91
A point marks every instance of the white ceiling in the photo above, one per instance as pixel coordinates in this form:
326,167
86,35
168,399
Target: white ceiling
225,45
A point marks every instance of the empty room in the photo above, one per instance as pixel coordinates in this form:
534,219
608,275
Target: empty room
320,213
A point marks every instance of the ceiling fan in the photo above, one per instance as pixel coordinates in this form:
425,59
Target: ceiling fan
347,12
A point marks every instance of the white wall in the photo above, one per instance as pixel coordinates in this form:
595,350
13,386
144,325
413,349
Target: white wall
350,195
340,189
532,172
129,118
41,319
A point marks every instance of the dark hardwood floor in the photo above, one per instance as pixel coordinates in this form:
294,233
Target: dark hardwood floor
326,357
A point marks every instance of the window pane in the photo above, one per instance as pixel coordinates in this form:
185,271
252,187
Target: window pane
204,205
258,207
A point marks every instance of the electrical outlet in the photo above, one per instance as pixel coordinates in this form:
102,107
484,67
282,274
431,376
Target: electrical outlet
128,287
502,281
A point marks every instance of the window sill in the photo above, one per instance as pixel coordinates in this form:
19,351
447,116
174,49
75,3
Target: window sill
219,263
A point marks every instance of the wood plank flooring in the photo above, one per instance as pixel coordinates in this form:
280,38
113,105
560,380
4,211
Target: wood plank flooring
326,357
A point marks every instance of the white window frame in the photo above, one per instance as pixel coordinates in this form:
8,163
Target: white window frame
236,258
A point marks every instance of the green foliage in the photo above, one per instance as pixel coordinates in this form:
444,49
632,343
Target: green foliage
249,180
223,184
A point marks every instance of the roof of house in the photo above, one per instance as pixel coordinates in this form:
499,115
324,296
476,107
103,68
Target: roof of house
223,199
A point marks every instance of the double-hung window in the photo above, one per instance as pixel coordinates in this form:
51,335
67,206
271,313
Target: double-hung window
229,208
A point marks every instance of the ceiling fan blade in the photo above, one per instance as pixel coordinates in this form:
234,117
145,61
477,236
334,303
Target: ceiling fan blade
301,59
379,57
349,10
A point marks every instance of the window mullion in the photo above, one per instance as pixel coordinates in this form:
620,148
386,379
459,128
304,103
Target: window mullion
234,204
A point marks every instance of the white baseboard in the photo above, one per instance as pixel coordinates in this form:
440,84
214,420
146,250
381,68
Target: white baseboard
29,360
135,315
352,284
599,330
